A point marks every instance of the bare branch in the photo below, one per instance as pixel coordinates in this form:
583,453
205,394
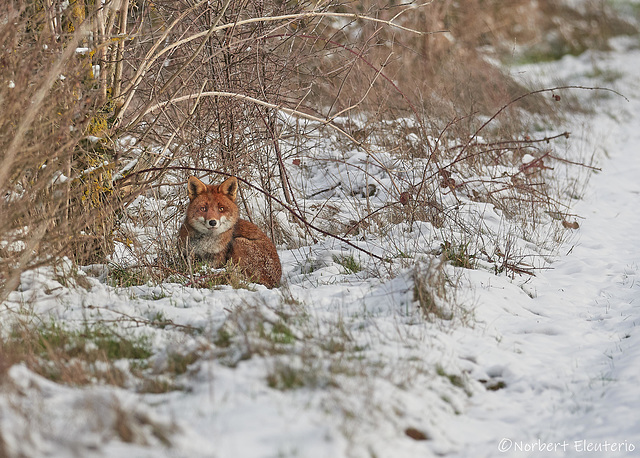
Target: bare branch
289,111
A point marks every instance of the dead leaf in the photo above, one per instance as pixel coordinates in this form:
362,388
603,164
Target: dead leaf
569,225
416,434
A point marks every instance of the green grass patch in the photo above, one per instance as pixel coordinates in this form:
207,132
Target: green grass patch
178,363
124,277
458,254
281,333
277,333
349,263
202,275
284,376
455,380
74,357
551,53
223,337
92,343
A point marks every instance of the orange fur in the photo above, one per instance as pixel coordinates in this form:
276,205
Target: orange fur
212,231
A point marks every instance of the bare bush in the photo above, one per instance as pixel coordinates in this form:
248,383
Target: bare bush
153,92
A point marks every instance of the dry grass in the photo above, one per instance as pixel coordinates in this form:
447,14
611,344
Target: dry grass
66,181
70,357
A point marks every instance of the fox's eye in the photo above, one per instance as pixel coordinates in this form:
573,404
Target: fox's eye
221,208
203,209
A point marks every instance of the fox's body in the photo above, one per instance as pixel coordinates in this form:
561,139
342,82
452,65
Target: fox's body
212,231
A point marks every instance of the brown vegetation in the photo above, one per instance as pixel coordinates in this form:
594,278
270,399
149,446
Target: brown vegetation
201,87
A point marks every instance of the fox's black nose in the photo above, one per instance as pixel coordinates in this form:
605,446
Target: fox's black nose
213,223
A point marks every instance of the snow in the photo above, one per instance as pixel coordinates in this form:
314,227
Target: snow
529,366
570,356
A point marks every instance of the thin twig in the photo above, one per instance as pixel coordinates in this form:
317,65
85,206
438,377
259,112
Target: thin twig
528,94
149,59
138,321
173,77
360,57
270,196
289,111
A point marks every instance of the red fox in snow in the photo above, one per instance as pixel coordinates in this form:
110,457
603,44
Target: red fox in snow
213,232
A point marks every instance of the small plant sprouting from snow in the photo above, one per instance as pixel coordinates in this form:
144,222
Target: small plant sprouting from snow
350,264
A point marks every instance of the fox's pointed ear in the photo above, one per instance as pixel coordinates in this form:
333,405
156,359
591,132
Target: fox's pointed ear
230,188
195,187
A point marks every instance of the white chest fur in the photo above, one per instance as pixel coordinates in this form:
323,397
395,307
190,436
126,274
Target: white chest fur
206,243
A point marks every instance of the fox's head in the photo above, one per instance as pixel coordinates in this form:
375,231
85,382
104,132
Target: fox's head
213,208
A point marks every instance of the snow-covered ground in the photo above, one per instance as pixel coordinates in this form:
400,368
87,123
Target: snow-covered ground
570,357
339,364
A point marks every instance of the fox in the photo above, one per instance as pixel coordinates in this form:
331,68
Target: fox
213,232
